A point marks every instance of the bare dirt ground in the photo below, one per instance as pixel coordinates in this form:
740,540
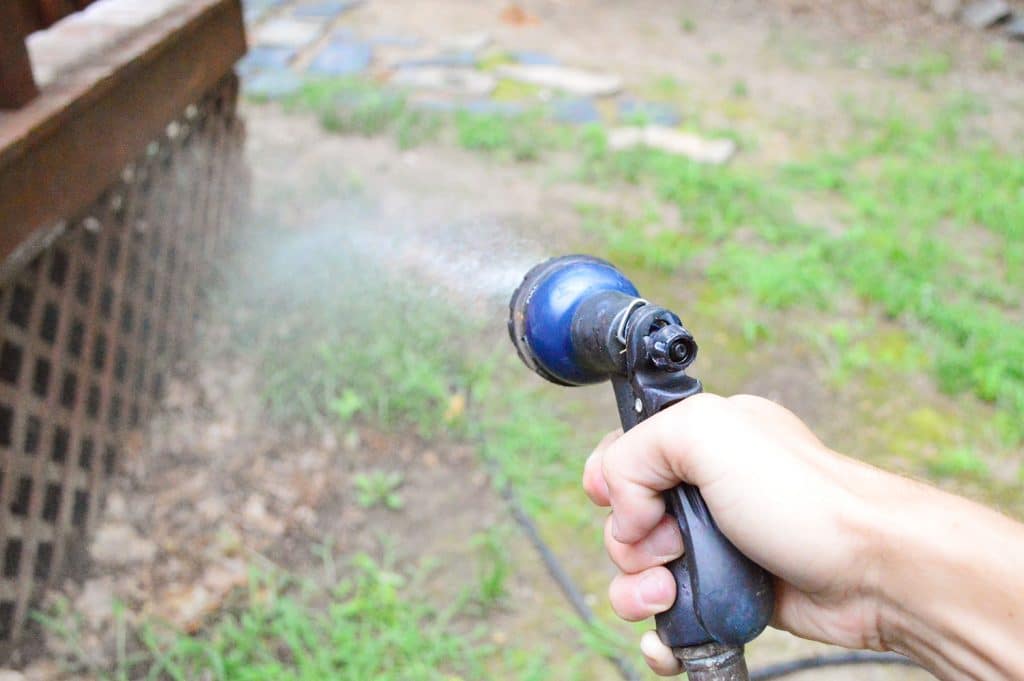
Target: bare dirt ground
213,488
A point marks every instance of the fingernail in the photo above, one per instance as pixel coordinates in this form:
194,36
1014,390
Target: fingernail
653,591
615,525
650,647
664,543
659,657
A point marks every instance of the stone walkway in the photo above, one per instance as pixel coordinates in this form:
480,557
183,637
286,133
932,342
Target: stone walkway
295,41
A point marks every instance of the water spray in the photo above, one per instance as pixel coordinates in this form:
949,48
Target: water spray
576,320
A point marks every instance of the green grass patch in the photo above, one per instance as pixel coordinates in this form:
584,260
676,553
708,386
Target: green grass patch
369,626
957,463
493,567
925,69
379,488
372,623
355,107
519,137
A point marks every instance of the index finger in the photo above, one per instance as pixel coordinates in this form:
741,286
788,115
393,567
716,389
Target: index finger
593,477
653,457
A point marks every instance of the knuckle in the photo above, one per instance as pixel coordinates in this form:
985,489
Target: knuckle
744,401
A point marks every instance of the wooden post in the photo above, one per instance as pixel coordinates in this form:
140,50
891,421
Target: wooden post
17,85
52,11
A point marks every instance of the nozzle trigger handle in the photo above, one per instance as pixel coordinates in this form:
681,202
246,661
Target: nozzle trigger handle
721,595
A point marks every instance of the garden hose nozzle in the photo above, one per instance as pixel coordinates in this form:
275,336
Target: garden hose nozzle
576,320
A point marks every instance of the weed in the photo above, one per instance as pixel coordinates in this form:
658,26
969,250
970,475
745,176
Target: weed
494,59
688,25
779,279
957,463
995,57
520,137
637,240
665,88
354,107
855,58
330,358
515,91
379,488
925,69
347,405
740,89
366,627
493,568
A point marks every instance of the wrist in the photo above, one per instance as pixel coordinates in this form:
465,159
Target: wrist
879,522
899,543
944,581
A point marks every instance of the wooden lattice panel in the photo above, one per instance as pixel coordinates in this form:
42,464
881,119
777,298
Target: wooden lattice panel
89,329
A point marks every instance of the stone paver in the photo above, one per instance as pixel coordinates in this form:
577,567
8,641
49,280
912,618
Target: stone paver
575,111
632,110
288,33
255,10
570,80
272,83
262,57
342,57
534,58
672,141
326,9
1015,29
456,81
983,13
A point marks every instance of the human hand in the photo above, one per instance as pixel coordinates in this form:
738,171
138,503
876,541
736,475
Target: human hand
792,505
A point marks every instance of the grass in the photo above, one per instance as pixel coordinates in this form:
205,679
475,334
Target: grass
925,69
519,137
379,488
995,57
369,629
957,463
344,360
372,625
374,622
493,568
354,107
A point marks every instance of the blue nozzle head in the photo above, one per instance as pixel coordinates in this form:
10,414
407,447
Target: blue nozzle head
541,314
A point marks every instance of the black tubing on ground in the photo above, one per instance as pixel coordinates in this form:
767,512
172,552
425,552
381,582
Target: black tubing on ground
777,671
554,567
